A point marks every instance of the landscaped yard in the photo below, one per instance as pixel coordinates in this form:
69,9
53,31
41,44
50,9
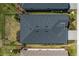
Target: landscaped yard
12,26
7,13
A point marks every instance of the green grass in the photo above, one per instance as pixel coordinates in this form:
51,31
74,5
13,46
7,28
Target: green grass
6,51
5,9
2,24
72,50
73,20
1,53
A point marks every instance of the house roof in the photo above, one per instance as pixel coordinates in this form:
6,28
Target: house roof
44,28
45,6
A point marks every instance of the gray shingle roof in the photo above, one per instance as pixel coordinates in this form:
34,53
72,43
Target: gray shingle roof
44,28
46,6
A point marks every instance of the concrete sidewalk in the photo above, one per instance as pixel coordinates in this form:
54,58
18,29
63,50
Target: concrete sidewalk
72,35
44,52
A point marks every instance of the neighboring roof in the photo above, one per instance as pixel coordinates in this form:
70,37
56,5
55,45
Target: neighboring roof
45,6
44,28
44,52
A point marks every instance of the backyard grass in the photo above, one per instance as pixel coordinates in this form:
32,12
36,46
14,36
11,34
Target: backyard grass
7,8
1,21
2,25
5,11
7,50
72,50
